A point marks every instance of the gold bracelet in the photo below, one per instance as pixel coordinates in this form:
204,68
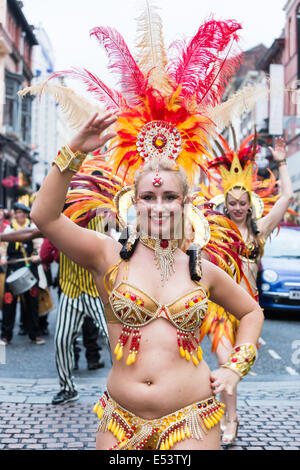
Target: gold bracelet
67,160
242,359
281,162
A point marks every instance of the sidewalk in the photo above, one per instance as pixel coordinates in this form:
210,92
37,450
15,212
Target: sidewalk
269,414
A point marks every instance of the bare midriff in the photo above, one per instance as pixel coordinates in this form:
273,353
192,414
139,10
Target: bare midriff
160,381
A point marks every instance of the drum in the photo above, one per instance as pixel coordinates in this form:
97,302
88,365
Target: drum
45,301
21,281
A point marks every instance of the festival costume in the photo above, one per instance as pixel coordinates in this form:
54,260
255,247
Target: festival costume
165,110
236,168
135,433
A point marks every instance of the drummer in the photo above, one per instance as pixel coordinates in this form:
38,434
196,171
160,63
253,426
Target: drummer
25,254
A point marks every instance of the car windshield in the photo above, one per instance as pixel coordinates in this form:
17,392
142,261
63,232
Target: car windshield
285,244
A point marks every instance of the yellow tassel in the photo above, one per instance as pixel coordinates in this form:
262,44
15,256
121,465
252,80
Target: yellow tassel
188,432
178,435
167,447
207,424
182,434
117,348
113,427
110,425
129,359
171,443
96,407
200,353
100,412
181,351
187,355
210,421
116,431
223,405
175,437
133,357
120,353
162,446
213,419
195,360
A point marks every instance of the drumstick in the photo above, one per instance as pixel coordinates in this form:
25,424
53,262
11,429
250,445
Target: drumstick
12,261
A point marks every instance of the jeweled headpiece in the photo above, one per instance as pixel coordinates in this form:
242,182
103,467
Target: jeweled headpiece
236,168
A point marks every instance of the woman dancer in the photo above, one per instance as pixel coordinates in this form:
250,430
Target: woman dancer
160,392
250,203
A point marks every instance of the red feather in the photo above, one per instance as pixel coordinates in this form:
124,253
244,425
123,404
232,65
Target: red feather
198,63
132,80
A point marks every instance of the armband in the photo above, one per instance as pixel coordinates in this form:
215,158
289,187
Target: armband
67,160
242,359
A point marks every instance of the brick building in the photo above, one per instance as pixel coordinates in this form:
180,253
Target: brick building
16,42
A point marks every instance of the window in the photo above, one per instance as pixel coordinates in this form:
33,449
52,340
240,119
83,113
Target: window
12,86
17,111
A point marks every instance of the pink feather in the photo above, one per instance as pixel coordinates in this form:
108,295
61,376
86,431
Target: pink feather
112,99
198,63
132,80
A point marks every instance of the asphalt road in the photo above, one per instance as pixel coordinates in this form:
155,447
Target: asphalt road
279,353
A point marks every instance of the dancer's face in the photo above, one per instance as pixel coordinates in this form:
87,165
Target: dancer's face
238,204
160,209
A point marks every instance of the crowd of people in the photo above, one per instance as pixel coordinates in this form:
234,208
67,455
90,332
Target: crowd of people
27,276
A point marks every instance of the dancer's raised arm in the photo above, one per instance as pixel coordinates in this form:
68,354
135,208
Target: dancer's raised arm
268,223
81,245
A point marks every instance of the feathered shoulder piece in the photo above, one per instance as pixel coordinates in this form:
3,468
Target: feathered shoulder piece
92,191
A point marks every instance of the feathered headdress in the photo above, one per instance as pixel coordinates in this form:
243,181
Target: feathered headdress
165,96
237,168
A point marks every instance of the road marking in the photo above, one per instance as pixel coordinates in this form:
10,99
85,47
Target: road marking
291,371
252,373
273,354
261,341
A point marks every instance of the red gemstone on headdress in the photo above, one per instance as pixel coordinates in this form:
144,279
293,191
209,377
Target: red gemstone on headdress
157,181
164,243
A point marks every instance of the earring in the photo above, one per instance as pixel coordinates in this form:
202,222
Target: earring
130,243
250,211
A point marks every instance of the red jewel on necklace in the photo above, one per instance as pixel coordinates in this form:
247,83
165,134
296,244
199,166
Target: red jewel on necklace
164,243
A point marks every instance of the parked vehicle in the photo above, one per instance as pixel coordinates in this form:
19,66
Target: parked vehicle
279,276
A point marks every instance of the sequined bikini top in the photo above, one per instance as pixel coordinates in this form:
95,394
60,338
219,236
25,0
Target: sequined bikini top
134,308
253,252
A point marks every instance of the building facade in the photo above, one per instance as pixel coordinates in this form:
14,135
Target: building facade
16,43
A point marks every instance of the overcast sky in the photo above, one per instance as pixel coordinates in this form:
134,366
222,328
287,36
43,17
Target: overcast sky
68,23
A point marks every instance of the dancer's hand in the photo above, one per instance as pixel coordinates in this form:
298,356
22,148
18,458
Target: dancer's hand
90,138
223,380
279,152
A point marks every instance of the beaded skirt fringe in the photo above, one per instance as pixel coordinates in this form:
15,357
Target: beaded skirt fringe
135,433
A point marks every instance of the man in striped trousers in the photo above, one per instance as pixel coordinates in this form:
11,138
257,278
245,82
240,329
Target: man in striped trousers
79,298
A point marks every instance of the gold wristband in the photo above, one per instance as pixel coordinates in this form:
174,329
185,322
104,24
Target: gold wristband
242,359
67,160
281,163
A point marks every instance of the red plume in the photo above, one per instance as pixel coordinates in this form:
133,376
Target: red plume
199,63
132,80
